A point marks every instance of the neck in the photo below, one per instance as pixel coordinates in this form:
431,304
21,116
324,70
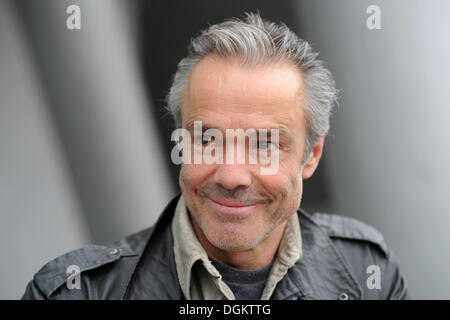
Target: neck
251,259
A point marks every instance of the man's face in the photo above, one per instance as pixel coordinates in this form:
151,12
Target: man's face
233,205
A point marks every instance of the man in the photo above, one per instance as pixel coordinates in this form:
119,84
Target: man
234,232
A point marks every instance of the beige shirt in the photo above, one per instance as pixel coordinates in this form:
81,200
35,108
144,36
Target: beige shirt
202,280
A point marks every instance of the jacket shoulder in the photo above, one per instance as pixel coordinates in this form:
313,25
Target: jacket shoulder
367,256
60,273
350,229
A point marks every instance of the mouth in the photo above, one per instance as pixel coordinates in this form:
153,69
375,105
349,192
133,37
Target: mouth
232,208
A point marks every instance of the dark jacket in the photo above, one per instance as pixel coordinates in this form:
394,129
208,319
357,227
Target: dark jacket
337,252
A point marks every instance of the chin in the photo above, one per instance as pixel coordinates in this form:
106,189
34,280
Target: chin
233,245
232,240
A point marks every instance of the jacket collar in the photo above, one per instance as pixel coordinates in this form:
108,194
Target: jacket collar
154,275
322,272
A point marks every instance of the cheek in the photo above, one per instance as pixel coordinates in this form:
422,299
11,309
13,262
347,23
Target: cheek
190,179
286,188
193,176
283,183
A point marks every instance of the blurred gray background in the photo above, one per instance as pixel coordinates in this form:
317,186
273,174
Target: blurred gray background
85,142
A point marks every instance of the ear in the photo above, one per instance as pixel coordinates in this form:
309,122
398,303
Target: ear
316,153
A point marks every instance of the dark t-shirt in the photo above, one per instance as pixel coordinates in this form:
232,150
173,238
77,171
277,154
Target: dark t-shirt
245,284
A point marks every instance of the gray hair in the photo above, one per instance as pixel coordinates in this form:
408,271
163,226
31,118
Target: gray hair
257,42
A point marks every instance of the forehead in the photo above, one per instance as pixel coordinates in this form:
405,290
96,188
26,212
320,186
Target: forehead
227,93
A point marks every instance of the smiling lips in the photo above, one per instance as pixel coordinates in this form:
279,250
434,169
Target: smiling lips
232,208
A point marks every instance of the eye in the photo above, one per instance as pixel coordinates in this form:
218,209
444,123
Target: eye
265,145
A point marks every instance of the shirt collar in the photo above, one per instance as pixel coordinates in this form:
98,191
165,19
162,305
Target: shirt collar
187,248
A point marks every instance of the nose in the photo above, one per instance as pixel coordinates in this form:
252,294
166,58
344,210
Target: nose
231,176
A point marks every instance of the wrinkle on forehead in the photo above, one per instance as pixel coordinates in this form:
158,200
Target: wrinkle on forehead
221,88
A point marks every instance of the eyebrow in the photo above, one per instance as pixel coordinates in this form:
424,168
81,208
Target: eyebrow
283,132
